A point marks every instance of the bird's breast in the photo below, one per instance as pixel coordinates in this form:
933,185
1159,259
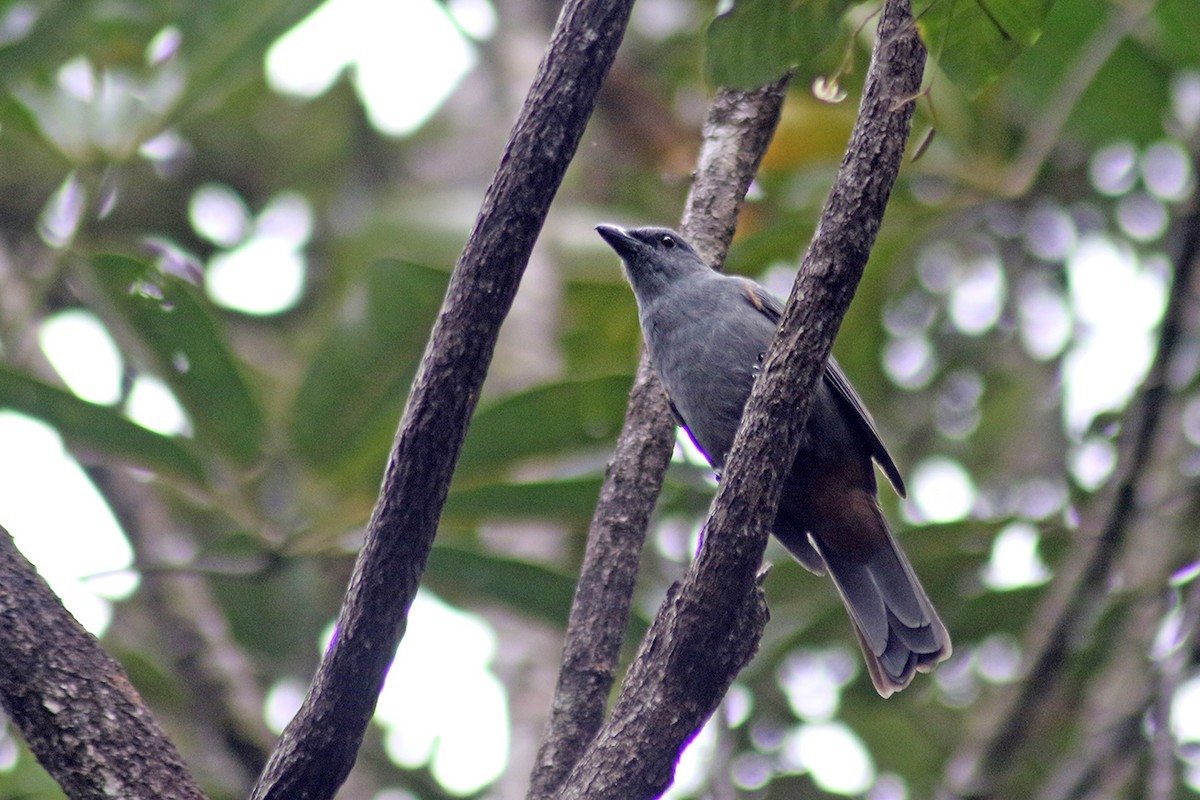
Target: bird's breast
706,350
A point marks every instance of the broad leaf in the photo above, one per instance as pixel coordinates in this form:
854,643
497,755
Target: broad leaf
96,427
350,399
458,575
974,40
190,351
225,42
1129,95
548,421
756,41
570,499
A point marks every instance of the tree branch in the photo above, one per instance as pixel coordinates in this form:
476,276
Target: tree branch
1101,759
74,705
319,746
736,134
709,625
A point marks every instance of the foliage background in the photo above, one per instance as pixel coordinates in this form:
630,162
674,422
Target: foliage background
961,340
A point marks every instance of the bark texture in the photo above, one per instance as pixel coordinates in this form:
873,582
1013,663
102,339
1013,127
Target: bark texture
320,745
74,705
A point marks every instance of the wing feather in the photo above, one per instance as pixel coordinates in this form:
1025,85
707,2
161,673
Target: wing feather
772,308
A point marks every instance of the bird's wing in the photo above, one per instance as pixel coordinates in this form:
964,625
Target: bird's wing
767,304
674,411
836,380
681,422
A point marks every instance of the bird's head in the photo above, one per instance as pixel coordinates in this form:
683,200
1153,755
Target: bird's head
654,258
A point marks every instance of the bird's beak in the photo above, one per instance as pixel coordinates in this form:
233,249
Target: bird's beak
618,240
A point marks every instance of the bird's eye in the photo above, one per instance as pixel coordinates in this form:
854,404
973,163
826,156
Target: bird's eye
668,241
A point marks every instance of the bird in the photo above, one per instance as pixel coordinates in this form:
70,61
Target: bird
706,334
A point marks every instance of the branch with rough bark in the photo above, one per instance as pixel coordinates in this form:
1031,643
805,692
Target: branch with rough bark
736,134
73,703
709,626
320,745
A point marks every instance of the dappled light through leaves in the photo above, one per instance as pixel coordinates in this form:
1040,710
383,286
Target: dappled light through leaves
227,232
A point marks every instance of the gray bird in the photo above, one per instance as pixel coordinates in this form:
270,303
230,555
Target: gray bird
706,334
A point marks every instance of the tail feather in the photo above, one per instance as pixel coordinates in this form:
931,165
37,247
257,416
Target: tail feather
895,580
862,597
897,626
898,658
830,520
919,639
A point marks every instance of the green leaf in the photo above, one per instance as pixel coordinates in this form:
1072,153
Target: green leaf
974,40
1179,26
57,28
461,576
550,420
600,330
1135,78
900,743
348,405
175,324
571,499
96,427
458,574
756,41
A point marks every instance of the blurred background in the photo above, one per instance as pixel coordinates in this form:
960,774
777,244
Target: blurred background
225,230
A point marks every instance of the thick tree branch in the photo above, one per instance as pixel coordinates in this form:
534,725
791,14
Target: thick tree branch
1061,623
72,702
319,746
710,624
736,134
603,595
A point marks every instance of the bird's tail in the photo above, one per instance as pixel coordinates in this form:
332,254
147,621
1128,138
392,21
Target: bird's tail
897,626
